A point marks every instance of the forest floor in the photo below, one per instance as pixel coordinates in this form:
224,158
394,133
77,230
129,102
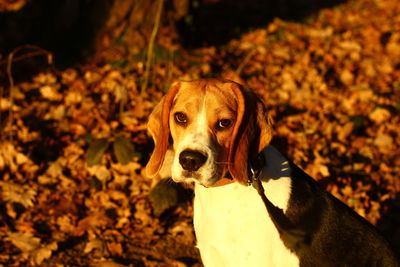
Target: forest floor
71,195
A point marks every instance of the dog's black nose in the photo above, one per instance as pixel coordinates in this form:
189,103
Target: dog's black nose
191,160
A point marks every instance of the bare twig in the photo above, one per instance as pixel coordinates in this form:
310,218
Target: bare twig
151,46
27,55
169,69
10,59
245,61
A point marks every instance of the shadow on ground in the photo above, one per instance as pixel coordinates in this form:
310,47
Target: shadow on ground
216,22
389,223
65,27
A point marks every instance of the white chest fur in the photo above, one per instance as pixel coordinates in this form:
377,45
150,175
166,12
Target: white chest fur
232,225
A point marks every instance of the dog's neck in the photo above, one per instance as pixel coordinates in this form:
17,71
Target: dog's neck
270,162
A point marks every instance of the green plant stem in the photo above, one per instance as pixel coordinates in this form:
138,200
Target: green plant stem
151,46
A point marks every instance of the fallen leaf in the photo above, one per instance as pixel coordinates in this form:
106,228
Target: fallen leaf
24,241
95,244
379,115
100,172
22,194
43,253
50,93
96,150
123,150
92,222
346,77
115,249
383,141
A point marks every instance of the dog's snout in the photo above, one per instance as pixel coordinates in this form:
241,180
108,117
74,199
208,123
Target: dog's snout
191,160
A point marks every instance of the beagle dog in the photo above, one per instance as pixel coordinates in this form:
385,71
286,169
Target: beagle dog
219,136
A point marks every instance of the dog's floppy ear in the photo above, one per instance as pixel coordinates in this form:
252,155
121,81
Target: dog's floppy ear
251,133
158,127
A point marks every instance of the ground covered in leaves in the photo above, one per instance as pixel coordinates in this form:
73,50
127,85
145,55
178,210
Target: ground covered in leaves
74,141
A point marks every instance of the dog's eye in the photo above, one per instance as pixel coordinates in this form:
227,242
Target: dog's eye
224,124
180,118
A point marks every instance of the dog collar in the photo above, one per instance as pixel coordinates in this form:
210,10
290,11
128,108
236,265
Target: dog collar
255,168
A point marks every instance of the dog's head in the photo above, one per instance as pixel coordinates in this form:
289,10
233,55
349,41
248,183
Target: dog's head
213,126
